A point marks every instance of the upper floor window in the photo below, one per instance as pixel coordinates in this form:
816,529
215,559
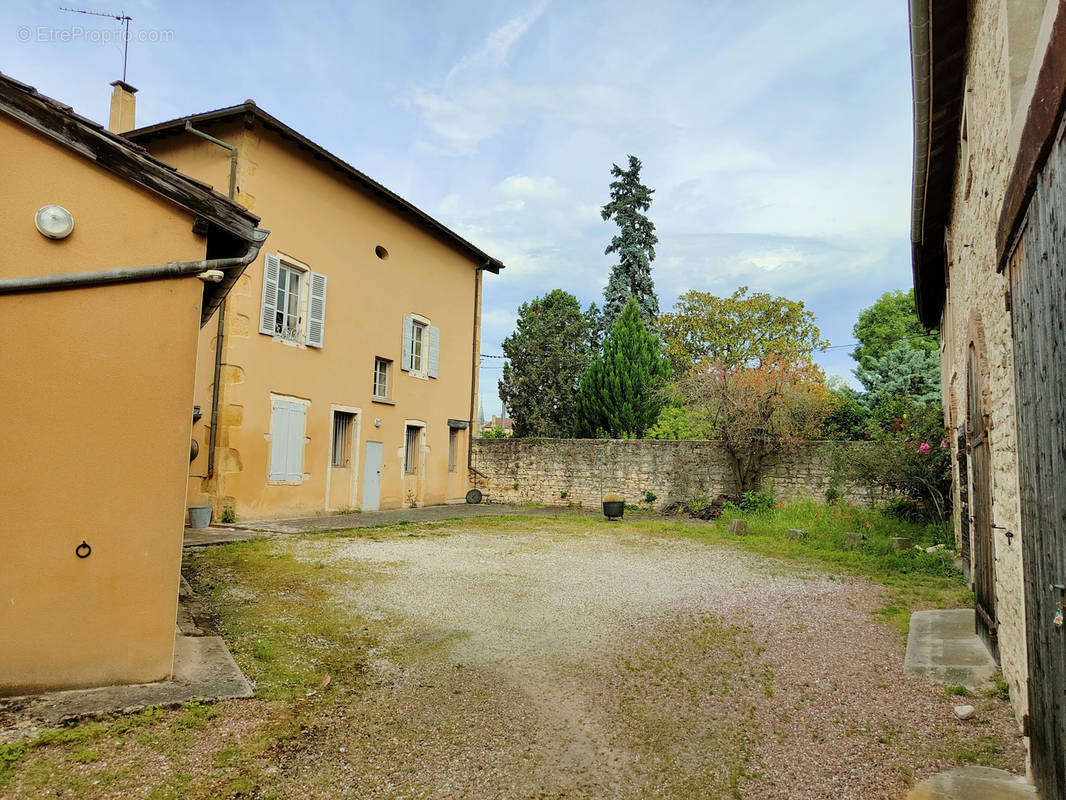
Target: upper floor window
294,302
287,311
418,332
421,347
382,367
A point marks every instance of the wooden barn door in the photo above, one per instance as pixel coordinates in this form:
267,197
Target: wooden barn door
983,564
1038,312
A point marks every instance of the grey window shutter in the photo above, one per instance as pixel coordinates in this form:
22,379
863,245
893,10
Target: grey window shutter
297,426
434,351
279,440
316,322
405,349
271,269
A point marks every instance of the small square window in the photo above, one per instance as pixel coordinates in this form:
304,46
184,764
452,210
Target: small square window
382,367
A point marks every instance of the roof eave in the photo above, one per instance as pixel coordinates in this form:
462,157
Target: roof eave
938,52
441,231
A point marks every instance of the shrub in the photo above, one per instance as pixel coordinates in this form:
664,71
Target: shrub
229,516
901,508
832,494
756,502
649,497
909,457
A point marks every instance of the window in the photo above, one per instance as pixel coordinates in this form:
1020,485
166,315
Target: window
418,331
411,448
343,422
421,347
381,378
287,425
287,311
453,448
294,302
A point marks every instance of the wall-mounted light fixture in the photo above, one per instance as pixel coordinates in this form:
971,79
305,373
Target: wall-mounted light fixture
55,222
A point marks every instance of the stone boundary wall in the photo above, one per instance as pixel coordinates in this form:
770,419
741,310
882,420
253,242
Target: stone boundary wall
564,472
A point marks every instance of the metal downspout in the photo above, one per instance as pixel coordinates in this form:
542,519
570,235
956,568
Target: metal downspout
221,329
474,359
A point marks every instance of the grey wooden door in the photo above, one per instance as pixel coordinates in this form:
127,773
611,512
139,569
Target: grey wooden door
372,477
1038,314
983,564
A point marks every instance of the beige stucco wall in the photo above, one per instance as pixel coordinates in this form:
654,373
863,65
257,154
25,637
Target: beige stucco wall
976,305
97,387
319,217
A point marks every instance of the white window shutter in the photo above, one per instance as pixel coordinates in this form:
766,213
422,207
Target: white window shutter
271,268
279,440
316,322
295,466
405,357
434,351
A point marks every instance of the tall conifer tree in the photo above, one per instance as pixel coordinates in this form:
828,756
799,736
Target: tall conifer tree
620,393
635,245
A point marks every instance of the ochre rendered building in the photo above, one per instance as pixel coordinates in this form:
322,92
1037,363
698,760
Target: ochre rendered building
346,376
112,262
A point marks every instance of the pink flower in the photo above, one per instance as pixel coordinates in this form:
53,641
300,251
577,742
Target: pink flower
923,447
943,443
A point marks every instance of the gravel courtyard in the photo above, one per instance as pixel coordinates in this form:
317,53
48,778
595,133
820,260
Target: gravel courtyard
532,657
541,663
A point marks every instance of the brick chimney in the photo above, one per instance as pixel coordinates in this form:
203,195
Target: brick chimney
123,108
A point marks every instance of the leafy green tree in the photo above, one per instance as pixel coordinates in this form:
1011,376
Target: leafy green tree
759,412
743,329
849,417
890,321
635,245
681,422
546,356
620,394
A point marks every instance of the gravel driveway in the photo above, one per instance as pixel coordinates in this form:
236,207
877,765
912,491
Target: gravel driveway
545,664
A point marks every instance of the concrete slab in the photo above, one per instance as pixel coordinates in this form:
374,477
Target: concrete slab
973,783
942,645
204,537
203,669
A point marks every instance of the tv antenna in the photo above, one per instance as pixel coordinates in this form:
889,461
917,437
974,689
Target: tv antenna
121,17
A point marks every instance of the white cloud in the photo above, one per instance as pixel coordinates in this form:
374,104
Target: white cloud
497,46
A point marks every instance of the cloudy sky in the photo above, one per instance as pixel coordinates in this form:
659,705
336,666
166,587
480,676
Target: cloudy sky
776,133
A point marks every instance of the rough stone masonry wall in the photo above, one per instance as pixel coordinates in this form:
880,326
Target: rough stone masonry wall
976,312
575,471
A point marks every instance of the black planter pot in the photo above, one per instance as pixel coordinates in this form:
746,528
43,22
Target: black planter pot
613,509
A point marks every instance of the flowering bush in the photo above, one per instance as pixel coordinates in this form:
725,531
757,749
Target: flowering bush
902,460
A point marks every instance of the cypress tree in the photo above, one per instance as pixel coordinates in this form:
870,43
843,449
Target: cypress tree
635,245
619,396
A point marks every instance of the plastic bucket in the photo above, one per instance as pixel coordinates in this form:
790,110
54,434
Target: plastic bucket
199,516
